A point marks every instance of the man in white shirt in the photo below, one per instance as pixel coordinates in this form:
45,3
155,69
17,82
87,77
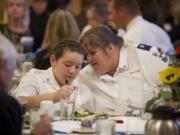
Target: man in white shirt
126,14
56,83
119,72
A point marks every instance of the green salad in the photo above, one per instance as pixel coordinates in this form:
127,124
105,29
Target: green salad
82,114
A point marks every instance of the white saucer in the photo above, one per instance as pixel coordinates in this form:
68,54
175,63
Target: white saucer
115,114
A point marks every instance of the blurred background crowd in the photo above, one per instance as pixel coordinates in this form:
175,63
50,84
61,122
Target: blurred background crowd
36,27
25,22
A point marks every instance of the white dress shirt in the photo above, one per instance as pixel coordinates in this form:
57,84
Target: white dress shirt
37,82
135,79
140,31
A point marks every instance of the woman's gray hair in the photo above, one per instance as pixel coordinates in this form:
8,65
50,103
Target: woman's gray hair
8,54
101,37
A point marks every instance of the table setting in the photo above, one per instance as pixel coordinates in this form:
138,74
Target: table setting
67,120
121,124
84,122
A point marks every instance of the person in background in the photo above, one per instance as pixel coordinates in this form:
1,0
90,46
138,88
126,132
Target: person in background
119,71
61,24
158,12
55,4
56,82
17,21
175,33
81,17
38,21
126,14
96,14
52,5
151,11
10,112
167,19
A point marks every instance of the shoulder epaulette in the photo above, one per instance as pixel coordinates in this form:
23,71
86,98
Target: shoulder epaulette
144,47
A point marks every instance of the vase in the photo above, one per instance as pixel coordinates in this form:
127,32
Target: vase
164,122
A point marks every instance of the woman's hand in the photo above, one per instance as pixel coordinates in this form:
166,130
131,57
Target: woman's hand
65,92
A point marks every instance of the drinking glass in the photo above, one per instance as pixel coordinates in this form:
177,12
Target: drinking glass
46,108
67,106
105,127
26,43
63,108
71,105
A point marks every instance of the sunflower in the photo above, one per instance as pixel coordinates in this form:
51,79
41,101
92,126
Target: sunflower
169,90
2,22
170,75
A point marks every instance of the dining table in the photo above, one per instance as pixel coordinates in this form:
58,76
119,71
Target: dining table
124,125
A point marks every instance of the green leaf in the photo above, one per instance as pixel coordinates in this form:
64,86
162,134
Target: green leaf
166,95
150,103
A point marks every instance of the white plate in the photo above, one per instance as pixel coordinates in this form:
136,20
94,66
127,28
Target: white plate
115,114
84,130
65,126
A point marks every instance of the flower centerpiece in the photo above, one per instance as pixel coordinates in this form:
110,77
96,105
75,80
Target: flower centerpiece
169,90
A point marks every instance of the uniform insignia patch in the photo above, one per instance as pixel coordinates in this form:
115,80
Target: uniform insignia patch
144,47
157,52
162,55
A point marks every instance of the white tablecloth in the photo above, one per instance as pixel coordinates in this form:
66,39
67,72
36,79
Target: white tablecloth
130,125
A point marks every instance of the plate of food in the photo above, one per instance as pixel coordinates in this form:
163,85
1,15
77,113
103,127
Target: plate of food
85,114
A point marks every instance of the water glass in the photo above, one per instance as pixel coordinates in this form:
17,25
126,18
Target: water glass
46,108
27,43
63,108
34,117
70,109
67,107
105,127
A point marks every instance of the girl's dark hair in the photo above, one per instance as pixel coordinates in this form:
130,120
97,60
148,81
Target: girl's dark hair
67,45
